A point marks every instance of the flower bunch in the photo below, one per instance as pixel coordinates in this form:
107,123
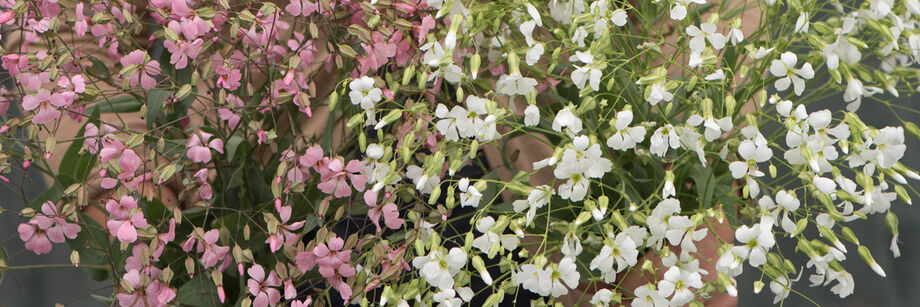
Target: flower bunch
206,151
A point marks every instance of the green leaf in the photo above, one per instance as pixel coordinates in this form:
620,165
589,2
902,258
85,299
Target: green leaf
120,104
155,101
200,291
233,145
3,259
76,166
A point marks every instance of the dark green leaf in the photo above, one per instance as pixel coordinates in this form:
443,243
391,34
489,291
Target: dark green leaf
200,291
155,101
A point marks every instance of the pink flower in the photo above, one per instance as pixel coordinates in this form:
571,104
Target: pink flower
145,265
54,224
427,24
145,70
285,233
333,173
377,52
212,251
204,190
91,136
305,303
191,28
263,288
389,212
227,114
76,83
332,260
13,63
333,263
36,239
165,238
47,105
80,25
145,291
126,218
182,50
198,152
301,8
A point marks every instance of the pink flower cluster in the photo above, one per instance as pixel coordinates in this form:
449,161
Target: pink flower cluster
333,262
46,227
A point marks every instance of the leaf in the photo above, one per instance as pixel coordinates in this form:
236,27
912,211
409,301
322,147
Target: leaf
200,291
233,145
3,258
120,104
76,166
155,100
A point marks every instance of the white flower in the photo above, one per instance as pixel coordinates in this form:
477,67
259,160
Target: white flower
364,93
647,296
535,279
840,50
658,221
761,52
454,124
735,36
579,37
583,74
619,17
678,282
801,24
625,137
374,151
714,127
757,239
423,182
624,251
489,239
533,54
565,274
825,185
515,84
780,287
563,11
716,76
694,141
583,160
679,10
601,297
890,146
534,13
434,54
664,138
527,30
699,36
751,152
439,269
447,298
567,119
531,115
536,199
656,92
586,73
469,195
785,69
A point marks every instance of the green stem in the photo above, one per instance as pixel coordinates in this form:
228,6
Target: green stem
53,266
